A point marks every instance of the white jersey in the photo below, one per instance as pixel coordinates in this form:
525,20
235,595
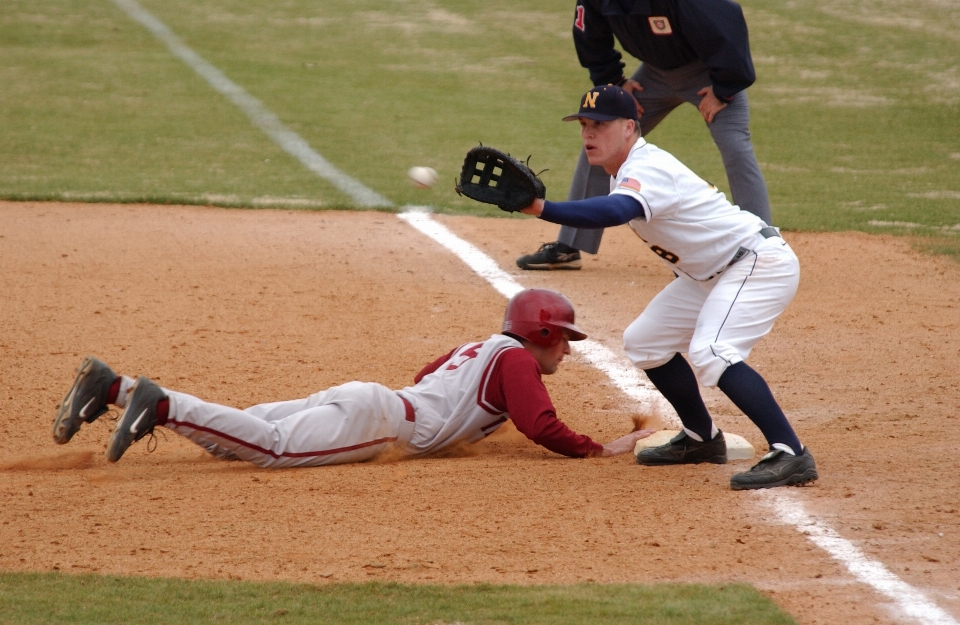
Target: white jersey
450,402
688,222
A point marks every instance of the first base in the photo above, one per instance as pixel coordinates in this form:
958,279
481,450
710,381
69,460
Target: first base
737,446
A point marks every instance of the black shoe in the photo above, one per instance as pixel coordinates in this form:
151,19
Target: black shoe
85,401
137,420
554,255
682,449
777,468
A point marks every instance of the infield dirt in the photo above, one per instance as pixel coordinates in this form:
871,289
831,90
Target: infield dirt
242,307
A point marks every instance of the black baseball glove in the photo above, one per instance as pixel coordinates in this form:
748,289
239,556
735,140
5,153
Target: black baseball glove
490,176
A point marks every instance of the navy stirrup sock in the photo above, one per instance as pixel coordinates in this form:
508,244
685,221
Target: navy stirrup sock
679,385
749,391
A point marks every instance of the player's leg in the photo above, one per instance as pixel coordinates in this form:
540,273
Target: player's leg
348,423
653,343
740,310
731,132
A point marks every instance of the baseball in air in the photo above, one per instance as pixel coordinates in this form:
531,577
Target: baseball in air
423,177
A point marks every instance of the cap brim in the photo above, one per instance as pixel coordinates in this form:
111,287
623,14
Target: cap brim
597,117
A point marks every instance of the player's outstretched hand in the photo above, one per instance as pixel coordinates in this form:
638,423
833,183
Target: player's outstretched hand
625,443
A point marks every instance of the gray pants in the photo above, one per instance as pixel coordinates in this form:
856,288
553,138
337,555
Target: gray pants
663,91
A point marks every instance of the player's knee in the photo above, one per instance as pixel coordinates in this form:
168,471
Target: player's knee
709,361
642,353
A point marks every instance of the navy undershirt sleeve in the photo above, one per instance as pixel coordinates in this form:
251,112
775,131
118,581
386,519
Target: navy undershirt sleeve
603,211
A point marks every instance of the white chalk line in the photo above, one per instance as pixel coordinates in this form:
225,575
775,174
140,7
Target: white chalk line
789,508
910,602
262,118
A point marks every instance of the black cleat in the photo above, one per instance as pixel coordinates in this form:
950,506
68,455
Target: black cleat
137,420
85,401
777,468
554,255
682,449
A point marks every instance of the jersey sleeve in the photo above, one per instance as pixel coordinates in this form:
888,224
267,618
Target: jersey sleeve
593,39
601,211
433,366
517,387
654,187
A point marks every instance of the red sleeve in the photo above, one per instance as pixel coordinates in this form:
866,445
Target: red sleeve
433,366
515,385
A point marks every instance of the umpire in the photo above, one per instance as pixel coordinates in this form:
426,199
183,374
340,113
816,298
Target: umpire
694,51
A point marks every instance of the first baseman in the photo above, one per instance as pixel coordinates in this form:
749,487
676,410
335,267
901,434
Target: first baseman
461,397
734,276
695,52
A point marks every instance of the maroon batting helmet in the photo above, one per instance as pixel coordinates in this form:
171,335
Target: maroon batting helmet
540,316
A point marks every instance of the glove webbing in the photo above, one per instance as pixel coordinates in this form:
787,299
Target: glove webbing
492,170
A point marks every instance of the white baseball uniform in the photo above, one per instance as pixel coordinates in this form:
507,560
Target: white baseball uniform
453,403
732,281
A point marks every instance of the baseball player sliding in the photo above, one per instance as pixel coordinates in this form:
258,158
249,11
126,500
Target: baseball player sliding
734,276
460,397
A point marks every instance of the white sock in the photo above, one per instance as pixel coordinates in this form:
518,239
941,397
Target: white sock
713,433
784,447
126,383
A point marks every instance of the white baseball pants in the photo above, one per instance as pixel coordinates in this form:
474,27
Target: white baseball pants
716,322
349,423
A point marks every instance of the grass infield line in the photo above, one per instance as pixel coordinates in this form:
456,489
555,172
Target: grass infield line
253,108
910,602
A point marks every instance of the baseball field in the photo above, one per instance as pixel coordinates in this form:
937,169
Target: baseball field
158,209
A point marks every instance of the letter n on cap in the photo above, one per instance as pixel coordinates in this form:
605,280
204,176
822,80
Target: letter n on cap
590,100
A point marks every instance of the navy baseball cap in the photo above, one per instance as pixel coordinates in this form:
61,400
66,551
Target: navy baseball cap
606,103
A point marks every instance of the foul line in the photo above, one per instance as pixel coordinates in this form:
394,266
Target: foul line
788,507
262,118
911,602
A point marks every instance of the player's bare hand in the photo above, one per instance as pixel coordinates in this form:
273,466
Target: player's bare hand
633,88
625,443
535,209
710,105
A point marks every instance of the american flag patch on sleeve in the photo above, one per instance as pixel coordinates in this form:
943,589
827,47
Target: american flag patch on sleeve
630,183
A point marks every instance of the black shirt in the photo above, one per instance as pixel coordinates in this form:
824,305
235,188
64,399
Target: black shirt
666,34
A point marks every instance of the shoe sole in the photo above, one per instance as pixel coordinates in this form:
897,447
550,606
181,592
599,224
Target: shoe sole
711,460
797,479
63,428
573,265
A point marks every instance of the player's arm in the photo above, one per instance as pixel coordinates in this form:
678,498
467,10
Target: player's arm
604,211
517,379
717,31
593,40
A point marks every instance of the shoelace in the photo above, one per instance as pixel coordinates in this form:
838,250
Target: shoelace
152,441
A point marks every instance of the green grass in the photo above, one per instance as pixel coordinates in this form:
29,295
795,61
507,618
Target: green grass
853,113
57,598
